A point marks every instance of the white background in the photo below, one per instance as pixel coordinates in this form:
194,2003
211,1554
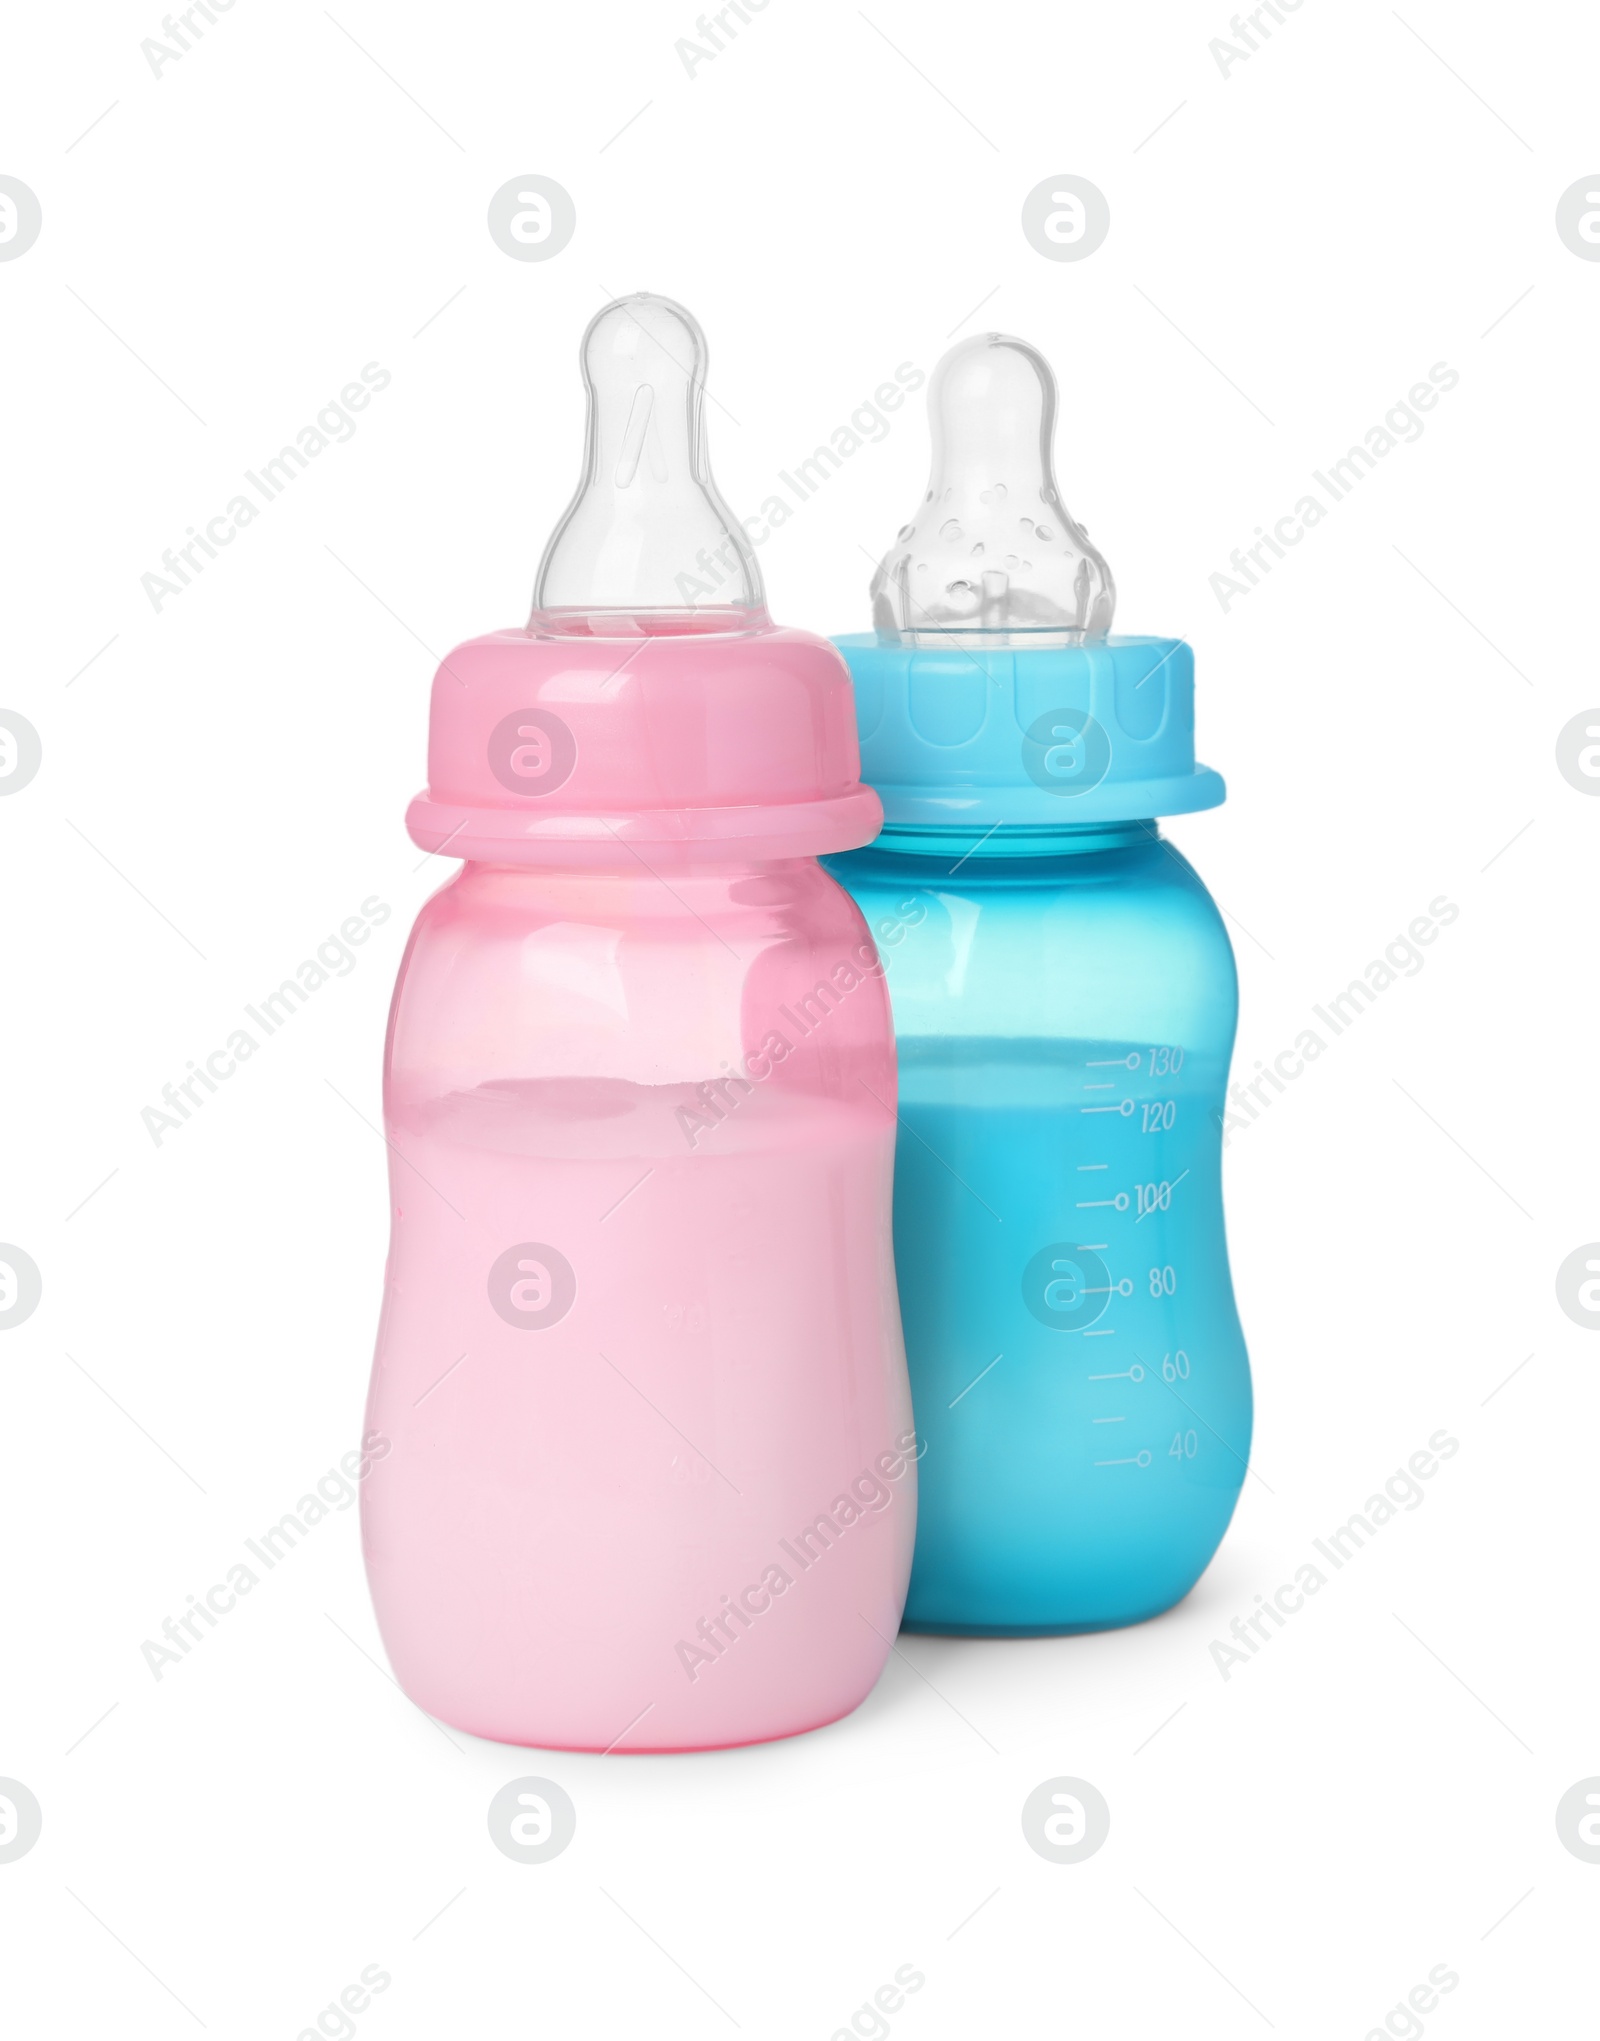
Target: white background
834,194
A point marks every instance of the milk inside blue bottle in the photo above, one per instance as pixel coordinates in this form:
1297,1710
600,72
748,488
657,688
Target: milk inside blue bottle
1064,1002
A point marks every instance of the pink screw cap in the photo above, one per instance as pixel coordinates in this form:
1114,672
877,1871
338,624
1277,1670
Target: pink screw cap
650,701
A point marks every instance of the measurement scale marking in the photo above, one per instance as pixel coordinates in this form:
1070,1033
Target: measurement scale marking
1161,1208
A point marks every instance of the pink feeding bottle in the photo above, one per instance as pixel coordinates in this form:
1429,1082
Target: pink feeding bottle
651,1473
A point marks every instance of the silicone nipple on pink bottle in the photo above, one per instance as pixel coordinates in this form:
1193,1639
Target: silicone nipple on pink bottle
992,557
646,545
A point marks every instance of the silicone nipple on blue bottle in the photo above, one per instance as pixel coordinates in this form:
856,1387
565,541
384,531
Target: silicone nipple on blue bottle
992,557
646,545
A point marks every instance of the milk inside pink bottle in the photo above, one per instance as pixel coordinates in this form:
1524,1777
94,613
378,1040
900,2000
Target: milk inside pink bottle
651,1479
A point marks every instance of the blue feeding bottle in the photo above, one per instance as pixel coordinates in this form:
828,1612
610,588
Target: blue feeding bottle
1064,1002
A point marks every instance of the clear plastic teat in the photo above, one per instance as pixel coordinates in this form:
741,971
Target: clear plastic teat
646,544
992,555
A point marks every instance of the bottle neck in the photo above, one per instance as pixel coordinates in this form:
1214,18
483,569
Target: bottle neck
655,864
1013,839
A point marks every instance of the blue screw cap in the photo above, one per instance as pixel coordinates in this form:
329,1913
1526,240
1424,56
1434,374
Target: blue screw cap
1099,732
